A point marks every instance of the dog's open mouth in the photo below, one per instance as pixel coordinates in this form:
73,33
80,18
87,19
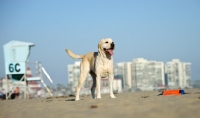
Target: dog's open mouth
109,51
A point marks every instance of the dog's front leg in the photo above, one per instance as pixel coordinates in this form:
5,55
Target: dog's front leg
98,85
77,93
111,79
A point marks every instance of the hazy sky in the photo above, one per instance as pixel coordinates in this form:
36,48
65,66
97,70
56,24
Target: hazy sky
158,30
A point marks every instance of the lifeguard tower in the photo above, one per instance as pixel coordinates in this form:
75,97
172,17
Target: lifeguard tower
16,55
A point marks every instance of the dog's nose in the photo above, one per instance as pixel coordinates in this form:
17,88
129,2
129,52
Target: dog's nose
112,45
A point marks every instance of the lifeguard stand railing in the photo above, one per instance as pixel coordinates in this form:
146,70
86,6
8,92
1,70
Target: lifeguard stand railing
35,72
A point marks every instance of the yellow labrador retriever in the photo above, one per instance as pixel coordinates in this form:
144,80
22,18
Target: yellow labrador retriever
98,64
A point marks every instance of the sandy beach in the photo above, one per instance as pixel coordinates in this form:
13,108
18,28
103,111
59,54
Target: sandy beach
126,105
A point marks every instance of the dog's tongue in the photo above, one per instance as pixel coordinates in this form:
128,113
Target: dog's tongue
111,52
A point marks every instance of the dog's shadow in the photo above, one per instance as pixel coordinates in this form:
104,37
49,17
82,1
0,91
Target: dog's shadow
72,99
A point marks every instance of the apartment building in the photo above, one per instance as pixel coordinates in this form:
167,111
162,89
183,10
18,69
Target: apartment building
178,74
147,75
141,74
123,71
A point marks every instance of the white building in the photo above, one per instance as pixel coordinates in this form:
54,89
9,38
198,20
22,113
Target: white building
73,73
147,75
141,74
178,74
123,71
117,85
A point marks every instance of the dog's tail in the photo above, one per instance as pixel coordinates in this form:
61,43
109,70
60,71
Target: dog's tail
75,56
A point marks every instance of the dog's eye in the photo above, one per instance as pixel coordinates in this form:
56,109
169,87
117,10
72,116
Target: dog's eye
106,42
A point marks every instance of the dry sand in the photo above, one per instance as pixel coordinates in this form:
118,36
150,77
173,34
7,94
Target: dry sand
126,105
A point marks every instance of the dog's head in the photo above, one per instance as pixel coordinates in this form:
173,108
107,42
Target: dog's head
106,46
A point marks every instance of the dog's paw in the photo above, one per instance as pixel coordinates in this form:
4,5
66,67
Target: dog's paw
98,98
77,99
112,96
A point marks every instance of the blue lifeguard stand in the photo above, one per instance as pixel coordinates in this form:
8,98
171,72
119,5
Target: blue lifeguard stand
16,55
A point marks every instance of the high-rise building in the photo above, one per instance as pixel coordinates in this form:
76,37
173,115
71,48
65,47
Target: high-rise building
123,72
178,74
119,72
141,74
147,75
73,74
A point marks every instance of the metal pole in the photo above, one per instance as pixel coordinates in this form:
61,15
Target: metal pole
47,75
40,71
135,78
46,87
26,95
8,87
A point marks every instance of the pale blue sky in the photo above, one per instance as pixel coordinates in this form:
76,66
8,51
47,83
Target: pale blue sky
153,29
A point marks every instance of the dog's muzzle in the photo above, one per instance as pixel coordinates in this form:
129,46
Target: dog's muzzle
110,50
112,45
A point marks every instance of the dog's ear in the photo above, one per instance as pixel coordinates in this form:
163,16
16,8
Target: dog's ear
100,46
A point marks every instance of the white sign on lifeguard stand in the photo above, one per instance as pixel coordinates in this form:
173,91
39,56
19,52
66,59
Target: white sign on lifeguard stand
16,54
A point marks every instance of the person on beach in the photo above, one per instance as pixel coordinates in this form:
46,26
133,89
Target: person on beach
17,92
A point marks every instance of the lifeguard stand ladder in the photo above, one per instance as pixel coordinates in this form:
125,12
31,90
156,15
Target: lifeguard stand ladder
39,77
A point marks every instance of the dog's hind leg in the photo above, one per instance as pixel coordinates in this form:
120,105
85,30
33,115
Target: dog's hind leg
84,69
94,84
